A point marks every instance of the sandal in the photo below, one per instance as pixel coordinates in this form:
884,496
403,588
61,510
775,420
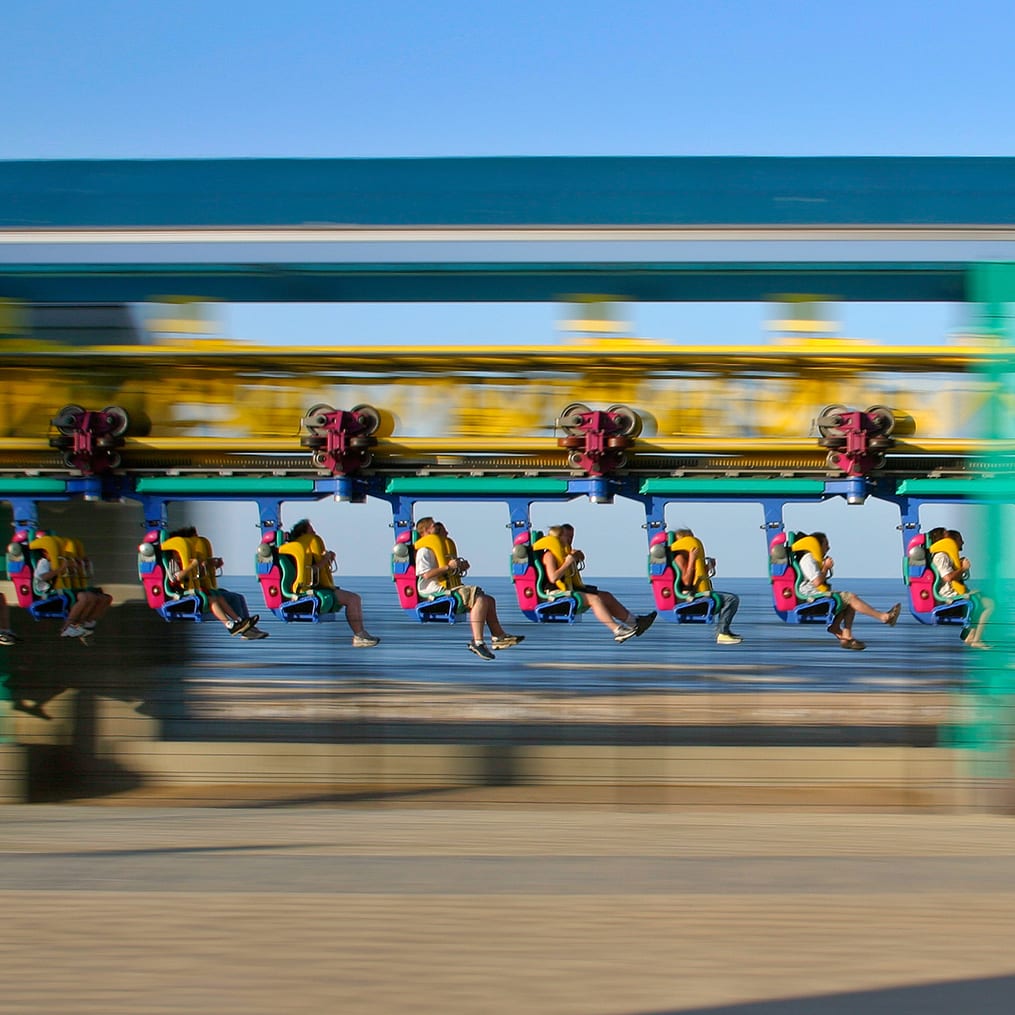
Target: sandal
852,643
893,614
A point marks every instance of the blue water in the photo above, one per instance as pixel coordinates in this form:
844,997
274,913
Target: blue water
583,658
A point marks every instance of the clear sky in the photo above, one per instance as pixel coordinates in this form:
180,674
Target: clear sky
223,78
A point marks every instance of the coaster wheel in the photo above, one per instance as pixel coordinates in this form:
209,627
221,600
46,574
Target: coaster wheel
627,419
116,419
316,417
830,421
369,418
570,420
67,418
883,419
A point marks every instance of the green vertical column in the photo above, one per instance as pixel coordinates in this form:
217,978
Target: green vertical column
987,715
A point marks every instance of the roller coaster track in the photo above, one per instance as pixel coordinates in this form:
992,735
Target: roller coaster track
517,456
221,408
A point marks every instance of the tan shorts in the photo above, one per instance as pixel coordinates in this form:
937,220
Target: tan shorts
468,595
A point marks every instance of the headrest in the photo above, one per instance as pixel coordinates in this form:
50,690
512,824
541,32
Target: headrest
659,537
521,538
404,537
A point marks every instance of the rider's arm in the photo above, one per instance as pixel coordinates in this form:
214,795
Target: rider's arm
425,557
555,571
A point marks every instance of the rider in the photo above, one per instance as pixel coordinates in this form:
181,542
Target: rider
56,567
946,547
689,555
323,559
562,563
816,567
439,570
190,578
209,566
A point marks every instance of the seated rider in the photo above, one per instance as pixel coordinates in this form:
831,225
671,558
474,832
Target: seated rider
186,579
56,569
946,547
439,571
90,601
562,563
816,567
323,559
209,566
689,555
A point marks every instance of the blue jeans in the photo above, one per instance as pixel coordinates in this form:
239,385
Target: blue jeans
236,602
729,603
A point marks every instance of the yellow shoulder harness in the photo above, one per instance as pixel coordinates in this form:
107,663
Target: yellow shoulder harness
685,544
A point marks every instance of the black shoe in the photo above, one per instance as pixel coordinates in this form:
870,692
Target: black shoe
242,625
481,649
643,623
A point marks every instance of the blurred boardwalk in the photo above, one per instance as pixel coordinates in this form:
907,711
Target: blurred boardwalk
469,909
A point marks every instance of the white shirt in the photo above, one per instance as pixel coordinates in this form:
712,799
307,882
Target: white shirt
811,571
943,565
40,586
426,560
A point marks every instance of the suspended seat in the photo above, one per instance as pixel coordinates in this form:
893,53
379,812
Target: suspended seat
673,602
171,602
23,555
291,583
539,599
926,602
791,604
441,609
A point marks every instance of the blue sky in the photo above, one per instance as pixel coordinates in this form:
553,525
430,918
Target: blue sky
216,79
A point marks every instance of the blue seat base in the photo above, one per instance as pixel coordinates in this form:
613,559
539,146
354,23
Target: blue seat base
700,610
305,610
956,612
564,610
51,608
186,608
818,611
442,610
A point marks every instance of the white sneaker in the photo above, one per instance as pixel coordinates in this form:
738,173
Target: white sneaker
364,640
624,632
74,631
